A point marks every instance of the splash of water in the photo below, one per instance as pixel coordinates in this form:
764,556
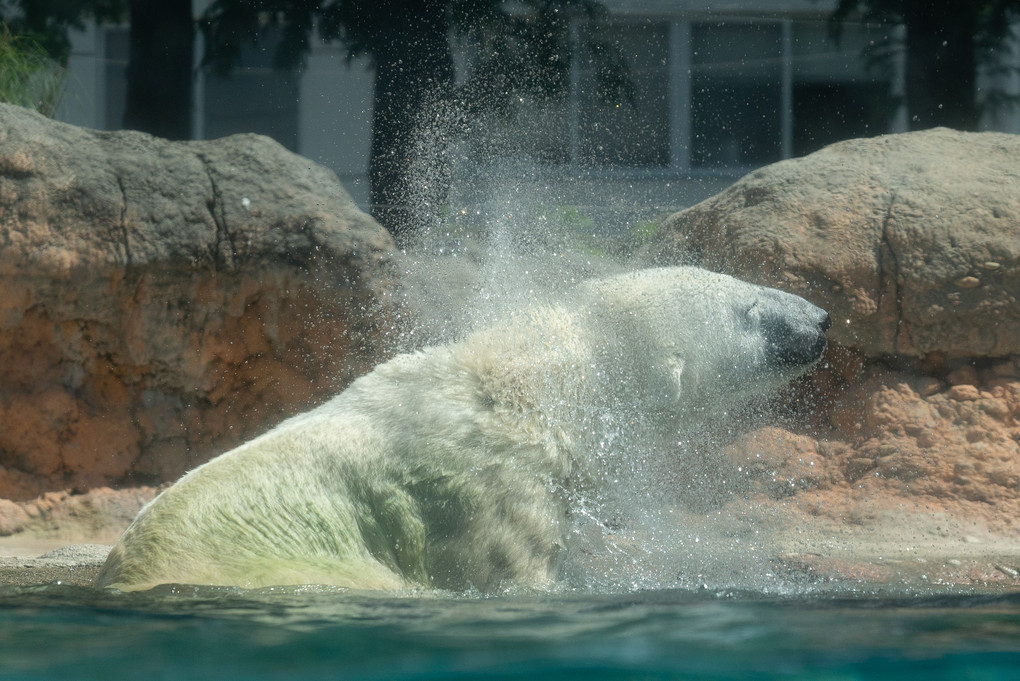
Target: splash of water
508,241
656,520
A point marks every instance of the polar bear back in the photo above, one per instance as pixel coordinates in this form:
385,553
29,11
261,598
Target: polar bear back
363,492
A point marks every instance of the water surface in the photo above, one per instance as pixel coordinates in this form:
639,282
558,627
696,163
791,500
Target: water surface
64,632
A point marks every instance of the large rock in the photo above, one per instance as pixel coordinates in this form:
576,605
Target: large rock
911,241
898,460
162,301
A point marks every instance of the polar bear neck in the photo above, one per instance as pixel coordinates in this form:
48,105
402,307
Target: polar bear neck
540,364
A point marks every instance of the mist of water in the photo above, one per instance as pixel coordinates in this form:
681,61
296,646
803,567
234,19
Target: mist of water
659,520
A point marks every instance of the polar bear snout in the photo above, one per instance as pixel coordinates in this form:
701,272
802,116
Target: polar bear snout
795,339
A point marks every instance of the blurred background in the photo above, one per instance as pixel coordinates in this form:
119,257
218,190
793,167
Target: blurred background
650,104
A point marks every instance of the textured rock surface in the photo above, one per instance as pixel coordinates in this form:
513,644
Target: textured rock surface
902,452
100,514
891,476
161,302
895,435
912,241
71,564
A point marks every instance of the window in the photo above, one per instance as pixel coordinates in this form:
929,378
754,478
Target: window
725,95
115,53
594,124
270,99
834,95
736,94
616,130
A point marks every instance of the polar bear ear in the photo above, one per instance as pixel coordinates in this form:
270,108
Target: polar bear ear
675,365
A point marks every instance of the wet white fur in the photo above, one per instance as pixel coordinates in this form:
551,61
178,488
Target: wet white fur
451,467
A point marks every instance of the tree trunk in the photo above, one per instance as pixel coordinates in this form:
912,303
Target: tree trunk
409,170
159,72
941,66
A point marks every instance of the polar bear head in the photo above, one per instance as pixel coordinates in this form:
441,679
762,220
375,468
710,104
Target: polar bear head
696,339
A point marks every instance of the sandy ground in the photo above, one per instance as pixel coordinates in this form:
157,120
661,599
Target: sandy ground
881,542
906,549
25,562
900,552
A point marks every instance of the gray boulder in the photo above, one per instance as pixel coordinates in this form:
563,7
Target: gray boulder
162,301
911,241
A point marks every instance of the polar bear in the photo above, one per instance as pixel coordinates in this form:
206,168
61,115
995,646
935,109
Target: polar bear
453,467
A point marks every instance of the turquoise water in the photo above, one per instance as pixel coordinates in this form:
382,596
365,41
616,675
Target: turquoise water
63,632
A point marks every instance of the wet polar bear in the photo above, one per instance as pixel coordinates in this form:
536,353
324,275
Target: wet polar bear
453,467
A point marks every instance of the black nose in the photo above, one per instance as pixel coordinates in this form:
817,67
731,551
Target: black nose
792,340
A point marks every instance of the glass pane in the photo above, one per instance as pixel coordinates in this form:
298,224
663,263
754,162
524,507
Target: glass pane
628,126
270,98
736,99
117,53
533,129
835,95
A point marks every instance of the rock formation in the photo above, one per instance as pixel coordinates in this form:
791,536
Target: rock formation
161,302
912,242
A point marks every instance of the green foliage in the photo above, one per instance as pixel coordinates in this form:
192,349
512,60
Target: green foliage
35,45
28,77
48,21
646,231
571,218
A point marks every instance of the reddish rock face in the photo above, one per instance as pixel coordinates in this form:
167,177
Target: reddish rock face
162,302
907,435
99,515
92,402
893,435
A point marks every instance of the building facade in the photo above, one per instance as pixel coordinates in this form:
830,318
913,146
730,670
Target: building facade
718,88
